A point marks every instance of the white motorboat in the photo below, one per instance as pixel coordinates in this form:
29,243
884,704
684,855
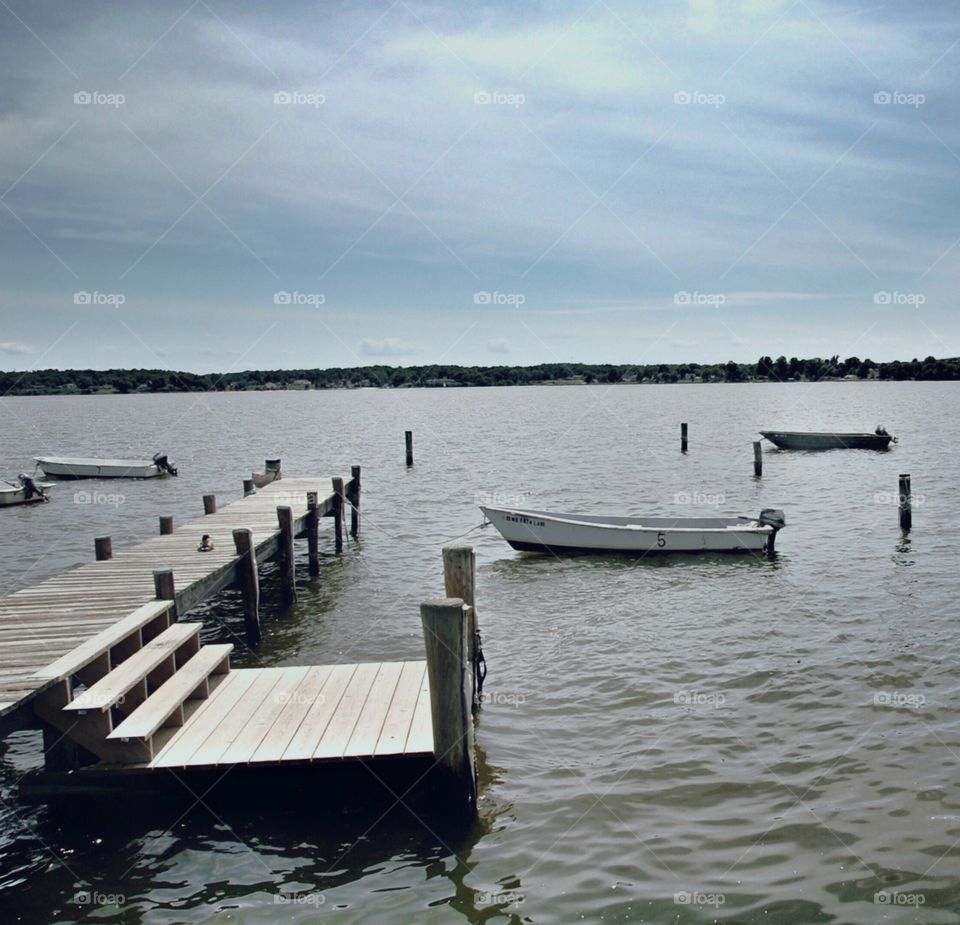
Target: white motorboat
24,491
542,531
70,467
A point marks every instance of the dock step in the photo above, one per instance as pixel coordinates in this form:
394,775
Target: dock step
135,671
167,701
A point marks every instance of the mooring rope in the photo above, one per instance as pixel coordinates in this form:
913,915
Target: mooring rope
479,662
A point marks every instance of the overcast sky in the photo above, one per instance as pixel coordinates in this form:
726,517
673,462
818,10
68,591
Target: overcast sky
219,185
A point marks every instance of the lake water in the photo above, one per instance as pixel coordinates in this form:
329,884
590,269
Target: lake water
666,740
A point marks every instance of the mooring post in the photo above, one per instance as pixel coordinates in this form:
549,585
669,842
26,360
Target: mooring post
683,437
408,439
288,577
906,503
757,459
166,525
338,501
445,636
165,590
248,487
209,504
460,580
249,582
313,538
273,466
355,502
103,548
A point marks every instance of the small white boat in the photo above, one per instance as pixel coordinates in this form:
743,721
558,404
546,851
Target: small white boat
24,491
542,531
69,467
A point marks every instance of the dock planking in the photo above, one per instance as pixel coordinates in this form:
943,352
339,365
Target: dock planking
41,624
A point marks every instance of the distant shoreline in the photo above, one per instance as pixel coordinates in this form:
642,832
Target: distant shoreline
766,369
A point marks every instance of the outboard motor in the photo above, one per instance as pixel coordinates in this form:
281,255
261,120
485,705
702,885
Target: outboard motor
772,517
881,431
161,462
31,488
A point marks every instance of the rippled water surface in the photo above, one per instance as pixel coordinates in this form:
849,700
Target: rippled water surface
666,740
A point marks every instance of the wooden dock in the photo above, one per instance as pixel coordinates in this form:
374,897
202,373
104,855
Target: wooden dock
42,624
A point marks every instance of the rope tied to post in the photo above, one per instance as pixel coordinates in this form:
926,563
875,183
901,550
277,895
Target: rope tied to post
479,662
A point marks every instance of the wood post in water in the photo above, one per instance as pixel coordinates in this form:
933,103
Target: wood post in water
103,548
288,577
460,580
313,538
166,525
273,466
249,582
445,636
248,487
683,437
906,503
355,502
408,439
209,504
757,459
165,590
338,502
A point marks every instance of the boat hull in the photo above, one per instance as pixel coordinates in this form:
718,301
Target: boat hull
577,534
11,496
797,440
69,468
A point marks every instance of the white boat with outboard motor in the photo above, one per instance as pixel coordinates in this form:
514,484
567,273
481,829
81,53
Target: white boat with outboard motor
24,491
76,467
548,532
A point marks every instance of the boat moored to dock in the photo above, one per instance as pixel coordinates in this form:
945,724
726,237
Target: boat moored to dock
77,467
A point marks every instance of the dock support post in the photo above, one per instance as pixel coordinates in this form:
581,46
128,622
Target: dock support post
288,577
338,514
355,502
248,487
445,635
166,525
460,580
103,548
408,439
757,459
313,539
249,583
273,466
165,590
209,504
906,503
683,437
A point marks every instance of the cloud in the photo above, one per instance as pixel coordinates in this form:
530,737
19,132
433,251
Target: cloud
499,345
14,348
387,347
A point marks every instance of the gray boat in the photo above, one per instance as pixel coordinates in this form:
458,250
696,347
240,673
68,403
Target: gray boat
809,440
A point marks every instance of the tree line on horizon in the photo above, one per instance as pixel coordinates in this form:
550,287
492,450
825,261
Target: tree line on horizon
766,369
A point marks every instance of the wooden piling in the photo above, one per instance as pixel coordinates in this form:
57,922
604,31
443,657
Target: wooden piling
272,466
165,589
460,580
249,583
757,459
683,437
288,578
103,548
338,503
209,504
408,439
248,487
166,525
448,668
313,537
355,502
906,503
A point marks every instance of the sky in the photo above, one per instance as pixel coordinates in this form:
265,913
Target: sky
217,186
